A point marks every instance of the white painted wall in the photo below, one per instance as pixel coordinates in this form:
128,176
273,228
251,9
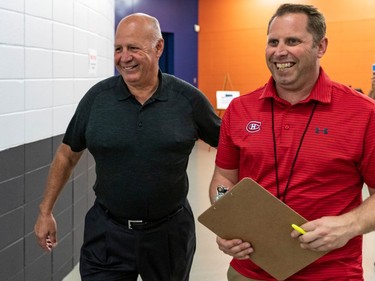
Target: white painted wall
44,63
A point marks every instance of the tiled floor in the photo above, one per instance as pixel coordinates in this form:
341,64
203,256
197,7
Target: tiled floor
209,263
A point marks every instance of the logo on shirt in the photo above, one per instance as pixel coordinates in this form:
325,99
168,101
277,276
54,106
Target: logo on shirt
253,127
323,131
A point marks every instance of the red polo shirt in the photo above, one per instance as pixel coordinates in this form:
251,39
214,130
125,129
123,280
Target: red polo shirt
336,156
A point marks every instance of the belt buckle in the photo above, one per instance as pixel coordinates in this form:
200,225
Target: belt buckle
131,221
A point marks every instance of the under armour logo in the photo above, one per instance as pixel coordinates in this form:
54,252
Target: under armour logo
253,126
324,131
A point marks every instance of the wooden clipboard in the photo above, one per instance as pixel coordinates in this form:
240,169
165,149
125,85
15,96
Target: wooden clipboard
251,213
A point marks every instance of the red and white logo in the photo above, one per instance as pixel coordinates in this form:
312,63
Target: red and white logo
253,127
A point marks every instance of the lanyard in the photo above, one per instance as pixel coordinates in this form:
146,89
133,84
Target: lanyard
283,197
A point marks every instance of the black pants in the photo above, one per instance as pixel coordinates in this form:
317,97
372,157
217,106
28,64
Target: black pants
112,252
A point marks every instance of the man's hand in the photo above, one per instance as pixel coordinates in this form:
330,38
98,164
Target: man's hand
45,230
325,234
235,248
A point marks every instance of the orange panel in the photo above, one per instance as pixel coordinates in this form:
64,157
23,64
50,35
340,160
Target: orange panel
232,41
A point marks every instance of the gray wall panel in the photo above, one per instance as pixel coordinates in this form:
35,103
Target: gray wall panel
12,163
12,194
21,191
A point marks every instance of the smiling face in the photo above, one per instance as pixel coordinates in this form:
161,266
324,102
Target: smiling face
138,48
291,55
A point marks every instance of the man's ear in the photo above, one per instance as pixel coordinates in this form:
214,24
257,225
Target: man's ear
322,47
159,47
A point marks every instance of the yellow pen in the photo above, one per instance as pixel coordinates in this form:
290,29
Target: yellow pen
299,229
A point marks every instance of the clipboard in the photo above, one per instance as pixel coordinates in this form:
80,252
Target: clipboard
251,213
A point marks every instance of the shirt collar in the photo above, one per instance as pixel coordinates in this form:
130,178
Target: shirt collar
123,93
159,94
322,90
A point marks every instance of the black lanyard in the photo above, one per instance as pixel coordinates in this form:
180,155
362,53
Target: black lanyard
283,197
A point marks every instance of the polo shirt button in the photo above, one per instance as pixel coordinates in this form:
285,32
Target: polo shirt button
286,127
140,124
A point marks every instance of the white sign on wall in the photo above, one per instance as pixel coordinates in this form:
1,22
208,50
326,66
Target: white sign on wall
93,61
223,98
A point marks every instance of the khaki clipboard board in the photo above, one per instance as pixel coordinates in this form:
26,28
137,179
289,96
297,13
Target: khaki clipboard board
251,213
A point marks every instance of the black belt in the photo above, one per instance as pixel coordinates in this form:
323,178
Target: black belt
141,224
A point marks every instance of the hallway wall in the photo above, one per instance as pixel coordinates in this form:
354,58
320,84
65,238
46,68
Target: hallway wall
232,40
51,53
175,17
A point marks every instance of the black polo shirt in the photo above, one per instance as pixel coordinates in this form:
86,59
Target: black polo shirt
142,151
